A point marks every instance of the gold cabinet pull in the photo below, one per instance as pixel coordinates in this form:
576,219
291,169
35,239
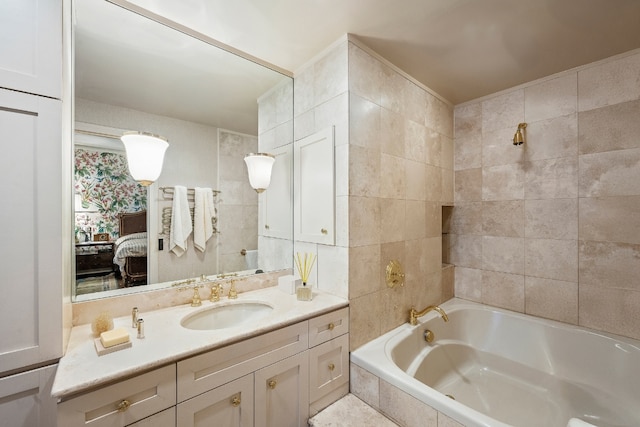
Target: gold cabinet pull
272,384
332,366
331,326
324,231
124,405
235,401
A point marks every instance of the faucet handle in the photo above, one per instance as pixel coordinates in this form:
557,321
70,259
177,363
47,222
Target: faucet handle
233,294
196,301
216,291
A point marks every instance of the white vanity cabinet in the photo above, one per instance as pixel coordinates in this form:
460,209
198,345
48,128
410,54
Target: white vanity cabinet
123,403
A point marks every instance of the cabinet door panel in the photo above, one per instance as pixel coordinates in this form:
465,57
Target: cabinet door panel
25,399
314,188
31,220
31,48
282,393
166,418
328,367
277,208
230,405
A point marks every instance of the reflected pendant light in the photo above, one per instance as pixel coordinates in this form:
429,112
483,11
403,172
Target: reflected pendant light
259,166
145,154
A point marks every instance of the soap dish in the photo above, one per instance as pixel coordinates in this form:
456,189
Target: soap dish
102,350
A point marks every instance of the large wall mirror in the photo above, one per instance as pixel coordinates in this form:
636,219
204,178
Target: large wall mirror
139,73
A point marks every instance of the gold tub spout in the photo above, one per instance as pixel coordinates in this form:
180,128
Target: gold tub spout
414,314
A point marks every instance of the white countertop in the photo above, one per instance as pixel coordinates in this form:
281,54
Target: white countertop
166,341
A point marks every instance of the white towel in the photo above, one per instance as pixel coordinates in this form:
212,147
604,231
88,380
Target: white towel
203,212
180,221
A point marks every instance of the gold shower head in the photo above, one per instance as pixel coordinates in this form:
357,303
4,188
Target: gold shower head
518,138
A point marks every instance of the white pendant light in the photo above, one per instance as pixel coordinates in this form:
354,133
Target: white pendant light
259,166
145,154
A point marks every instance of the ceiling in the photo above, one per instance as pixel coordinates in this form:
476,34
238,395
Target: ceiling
461,49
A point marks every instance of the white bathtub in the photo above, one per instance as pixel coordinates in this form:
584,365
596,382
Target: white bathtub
509,369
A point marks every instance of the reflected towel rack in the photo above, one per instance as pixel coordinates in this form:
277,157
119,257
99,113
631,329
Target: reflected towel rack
167,193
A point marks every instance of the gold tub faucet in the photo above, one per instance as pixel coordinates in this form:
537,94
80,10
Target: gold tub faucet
414,314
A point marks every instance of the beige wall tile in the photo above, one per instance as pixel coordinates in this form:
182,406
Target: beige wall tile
364,271
503,111
504,182
433,147
610,219
331,74
415,220
468,283
503,290
552,98
468,185
612,310
465,250
394,309
364,172
392,177
467,152
615,127
447,152
552,138
551,219
415,104
333,269
448,282
365,74
608,83
503,218
364,319
392,95
392,220
436,183
415,180
504,254
364,221
439,116
552,179
609,265
552,259
415,138
364,123
468,120
611,173
551,299
446,196
404,408
303,92
391,133
433,218
466,218
334,112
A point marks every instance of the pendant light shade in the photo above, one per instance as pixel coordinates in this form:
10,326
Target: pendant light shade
145,154
259,166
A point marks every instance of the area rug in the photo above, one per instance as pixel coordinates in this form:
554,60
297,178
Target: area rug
90,285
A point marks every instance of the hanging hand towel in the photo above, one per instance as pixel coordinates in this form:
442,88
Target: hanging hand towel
203,212
180,221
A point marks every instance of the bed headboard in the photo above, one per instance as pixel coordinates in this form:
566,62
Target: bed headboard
132,222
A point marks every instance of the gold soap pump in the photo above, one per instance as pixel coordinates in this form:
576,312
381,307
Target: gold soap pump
304,265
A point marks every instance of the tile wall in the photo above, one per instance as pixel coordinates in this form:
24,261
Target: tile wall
552,228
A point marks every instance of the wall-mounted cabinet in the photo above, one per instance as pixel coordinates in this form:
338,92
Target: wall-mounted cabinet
314,188
276,206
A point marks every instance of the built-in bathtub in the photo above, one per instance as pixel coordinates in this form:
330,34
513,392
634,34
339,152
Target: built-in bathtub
509,369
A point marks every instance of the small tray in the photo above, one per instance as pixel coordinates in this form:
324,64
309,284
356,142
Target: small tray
102,350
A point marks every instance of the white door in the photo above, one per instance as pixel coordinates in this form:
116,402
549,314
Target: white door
31,230
31,47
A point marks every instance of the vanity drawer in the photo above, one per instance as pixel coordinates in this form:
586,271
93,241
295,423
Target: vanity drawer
328,326
328,367
210,370
122,403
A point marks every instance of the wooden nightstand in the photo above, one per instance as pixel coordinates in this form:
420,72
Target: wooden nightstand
94,258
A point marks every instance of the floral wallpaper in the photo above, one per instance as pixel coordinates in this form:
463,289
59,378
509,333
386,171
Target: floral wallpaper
104,188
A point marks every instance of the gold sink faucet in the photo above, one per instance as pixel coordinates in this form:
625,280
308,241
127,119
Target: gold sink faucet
216,292
414,314
233,294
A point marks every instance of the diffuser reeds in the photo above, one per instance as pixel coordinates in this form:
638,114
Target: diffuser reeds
305,265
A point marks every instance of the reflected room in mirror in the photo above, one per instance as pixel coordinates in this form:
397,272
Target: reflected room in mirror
214,107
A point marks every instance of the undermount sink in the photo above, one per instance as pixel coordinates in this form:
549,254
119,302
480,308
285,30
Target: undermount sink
226,316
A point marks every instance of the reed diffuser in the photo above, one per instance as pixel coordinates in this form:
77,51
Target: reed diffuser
304,265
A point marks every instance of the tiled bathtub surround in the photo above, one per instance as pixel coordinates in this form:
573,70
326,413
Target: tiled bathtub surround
552,228
394,171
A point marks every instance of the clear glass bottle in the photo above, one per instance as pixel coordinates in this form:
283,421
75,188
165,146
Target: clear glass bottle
304,292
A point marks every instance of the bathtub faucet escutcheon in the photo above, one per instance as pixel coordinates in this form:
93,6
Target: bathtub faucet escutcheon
414,314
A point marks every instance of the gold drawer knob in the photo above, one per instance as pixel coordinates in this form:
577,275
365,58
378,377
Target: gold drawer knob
124,405
324,231
332,366
235,401
331,326
272,384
